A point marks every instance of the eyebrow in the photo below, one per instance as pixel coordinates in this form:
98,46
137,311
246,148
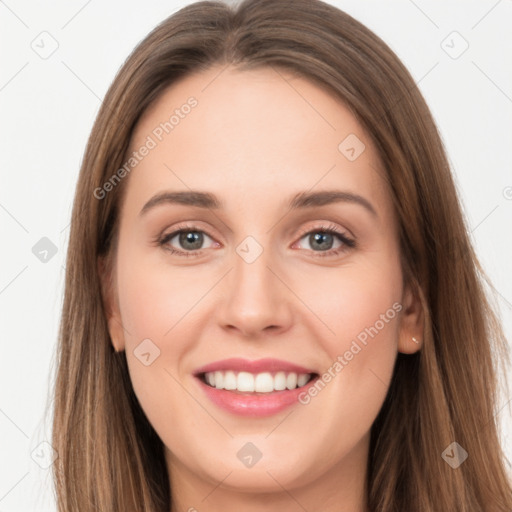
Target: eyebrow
301,200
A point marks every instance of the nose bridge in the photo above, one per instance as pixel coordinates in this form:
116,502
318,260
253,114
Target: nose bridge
252,281
255,296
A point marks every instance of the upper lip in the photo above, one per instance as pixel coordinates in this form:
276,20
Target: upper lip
257,366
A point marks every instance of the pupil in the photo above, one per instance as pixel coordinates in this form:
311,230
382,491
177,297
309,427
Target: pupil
321,237
192,237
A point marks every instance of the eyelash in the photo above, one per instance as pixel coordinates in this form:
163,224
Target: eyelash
348,243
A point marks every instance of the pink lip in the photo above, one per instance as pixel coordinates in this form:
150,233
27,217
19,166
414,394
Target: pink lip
253,404
258,366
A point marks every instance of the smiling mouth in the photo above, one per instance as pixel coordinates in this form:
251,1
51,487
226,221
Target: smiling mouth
256,383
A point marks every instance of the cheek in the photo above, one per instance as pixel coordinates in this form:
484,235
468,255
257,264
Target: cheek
358,304
362,308
156,304
154,298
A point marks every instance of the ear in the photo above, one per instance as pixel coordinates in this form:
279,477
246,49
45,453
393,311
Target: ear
110,303
410,338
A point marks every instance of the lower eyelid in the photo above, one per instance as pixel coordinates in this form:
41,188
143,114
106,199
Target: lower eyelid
165,241
334,251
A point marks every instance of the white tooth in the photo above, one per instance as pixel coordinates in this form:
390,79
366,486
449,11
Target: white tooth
229,380
280,381
264,383
219,380
210,378
245,382
302,379
260,383
291,381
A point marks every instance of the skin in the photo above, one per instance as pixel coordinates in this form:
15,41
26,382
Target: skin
255,139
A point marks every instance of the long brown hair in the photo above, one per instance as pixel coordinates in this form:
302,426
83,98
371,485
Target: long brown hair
110,458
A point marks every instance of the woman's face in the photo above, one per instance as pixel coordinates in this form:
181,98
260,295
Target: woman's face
255,279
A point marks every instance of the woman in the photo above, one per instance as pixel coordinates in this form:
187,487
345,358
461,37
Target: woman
255,369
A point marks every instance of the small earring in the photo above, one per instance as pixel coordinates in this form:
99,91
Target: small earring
415,340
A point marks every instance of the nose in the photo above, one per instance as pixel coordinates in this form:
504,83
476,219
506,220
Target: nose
257,301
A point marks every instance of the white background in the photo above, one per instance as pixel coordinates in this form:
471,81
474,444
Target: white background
47,110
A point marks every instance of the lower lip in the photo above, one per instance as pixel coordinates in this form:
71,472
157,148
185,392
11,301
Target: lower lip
254,404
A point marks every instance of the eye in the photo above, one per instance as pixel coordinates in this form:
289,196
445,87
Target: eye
188,238
323,238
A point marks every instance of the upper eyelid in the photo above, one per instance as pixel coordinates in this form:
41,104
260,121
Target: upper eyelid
336,231
301,233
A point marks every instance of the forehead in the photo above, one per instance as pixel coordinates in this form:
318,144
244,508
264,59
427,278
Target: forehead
261,134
